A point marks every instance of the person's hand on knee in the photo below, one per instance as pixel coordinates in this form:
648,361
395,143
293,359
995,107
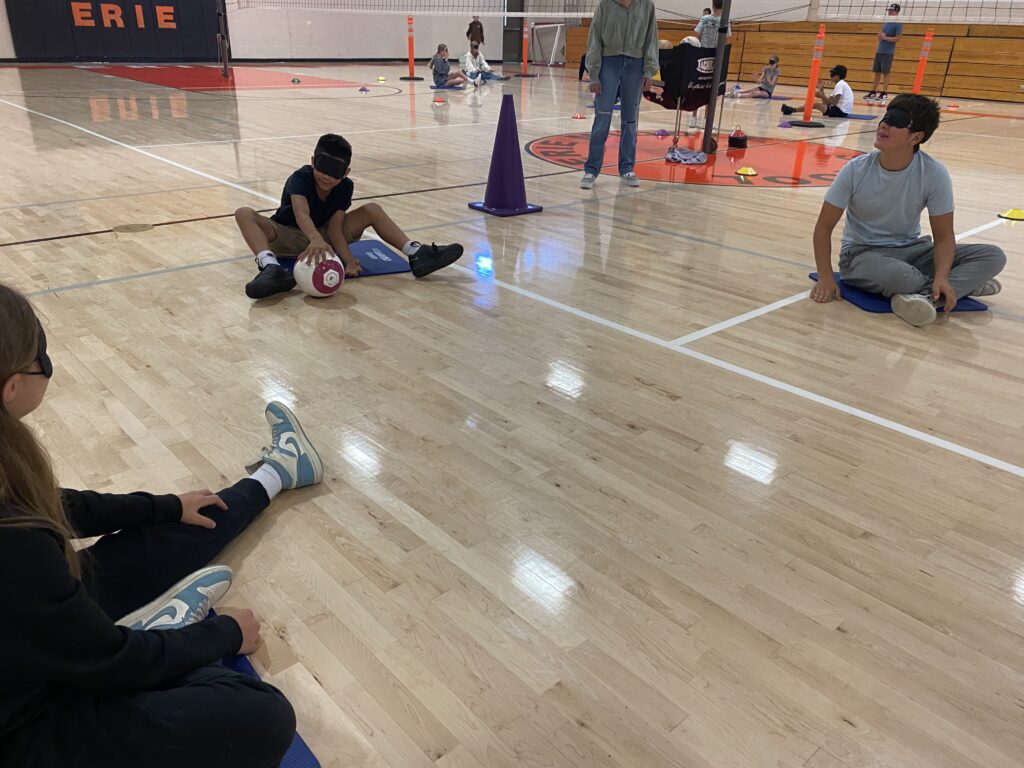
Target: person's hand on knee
193,501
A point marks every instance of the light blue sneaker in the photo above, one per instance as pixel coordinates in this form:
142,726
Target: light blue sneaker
186,603
291,454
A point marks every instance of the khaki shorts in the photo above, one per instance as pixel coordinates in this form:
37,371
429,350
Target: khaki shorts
289,241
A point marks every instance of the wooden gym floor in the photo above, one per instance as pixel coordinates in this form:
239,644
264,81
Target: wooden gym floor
610,493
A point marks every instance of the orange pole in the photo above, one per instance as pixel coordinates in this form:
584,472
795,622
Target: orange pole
922,62
526,44
412,51
819,49
412,55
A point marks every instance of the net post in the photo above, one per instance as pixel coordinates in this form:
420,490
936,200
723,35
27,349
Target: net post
819,50
526,50
412,54
922,62
812,82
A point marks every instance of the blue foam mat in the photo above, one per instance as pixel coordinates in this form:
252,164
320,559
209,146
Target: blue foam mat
373,256
875,302
854,116
298,754
447,88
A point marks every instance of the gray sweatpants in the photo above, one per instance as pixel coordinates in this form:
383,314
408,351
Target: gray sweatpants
910,268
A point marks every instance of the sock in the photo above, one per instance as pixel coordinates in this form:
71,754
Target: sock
267,257
410,248
269,479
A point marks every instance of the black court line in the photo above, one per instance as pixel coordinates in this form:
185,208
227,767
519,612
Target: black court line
211,217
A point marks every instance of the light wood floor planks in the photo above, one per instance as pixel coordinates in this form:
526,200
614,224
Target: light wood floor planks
546,538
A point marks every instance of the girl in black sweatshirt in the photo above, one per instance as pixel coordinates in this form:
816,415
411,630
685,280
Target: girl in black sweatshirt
77,689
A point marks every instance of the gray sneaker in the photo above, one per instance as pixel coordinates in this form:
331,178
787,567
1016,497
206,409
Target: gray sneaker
914,308
988,288
630,179
587,182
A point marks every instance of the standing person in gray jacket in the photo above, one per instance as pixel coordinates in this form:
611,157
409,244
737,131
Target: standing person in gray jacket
622,57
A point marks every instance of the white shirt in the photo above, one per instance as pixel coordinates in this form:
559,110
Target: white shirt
471,64
845,94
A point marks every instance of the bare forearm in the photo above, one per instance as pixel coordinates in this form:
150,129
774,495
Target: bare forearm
823,251
944,251
307,226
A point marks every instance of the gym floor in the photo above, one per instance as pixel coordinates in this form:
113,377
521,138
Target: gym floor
610,492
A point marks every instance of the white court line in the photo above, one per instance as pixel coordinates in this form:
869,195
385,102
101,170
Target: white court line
347,133
858,413
982,228
682,340
711,329
152,155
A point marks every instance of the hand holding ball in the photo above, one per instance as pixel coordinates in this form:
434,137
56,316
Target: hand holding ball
320,280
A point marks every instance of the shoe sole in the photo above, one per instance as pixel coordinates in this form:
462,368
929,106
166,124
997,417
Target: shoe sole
916,313
304,441
154,606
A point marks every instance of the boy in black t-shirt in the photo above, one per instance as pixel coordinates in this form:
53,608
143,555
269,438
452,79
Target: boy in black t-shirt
314,221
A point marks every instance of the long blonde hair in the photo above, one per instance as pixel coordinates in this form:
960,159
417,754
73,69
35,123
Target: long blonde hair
28,489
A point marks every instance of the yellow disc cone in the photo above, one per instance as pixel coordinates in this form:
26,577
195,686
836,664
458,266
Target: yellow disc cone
1014,214
746,171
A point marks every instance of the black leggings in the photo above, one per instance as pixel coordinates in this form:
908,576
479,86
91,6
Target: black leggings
211,718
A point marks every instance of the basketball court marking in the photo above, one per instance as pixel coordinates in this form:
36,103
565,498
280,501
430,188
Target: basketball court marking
777,384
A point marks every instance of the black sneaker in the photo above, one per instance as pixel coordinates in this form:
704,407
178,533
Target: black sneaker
430,258
272,279
883,97
787,110
871,96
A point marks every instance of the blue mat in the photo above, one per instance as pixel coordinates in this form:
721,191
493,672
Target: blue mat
853,116
373,256
447,88
298,754
875,302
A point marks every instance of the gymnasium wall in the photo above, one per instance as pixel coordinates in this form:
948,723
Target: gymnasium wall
961,63
301,34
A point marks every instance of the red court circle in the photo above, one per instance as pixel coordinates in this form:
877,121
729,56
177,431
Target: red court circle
779,163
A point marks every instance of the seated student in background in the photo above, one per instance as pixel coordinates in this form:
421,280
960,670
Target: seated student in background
78,689
314,221
442,69
883,194
765,83
476,68
839,104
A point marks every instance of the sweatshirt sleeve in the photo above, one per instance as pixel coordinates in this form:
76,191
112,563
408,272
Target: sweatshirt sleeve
595,44
651,59
94,514
53,631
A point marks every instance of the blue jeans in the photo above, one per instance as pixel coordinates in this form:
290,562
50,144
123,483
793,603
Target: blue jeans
623,75
485,76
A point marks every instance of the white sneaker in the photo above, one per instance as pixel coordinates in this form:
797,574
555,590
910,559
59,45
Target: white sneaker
630,179
184,604
914,308
988,288
587,182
